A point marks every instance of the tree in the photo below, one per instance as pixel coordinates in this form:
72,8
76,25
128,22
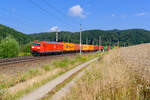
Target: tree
26,48
9,47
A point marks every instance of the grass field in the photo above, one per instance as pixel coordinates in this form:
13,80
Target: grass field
122,74
22,83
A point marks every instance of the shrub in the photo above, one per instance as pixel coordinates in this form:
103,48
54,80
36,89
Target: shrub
23,78
73,61
61,63
26,48
3,85
24,54
9,47
82,58
33,72
2,91
46,67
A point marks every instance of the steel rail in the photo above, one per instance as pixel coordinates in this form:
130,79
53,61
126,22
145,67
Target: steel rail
15,60
8,61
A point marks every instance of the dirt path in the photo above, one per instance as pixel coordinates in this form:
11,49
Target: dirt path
42,91
66,89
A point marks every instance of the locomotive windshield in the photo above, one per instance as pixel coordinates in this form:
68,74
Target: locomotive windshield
36,44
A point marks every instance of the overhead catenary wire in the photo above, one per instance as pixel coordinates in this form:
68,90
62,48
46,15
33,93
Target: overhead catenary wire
53,7
60,12
48,12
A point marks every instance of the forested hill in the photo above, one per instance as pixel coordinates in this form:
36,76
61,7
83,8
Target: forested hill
126,37
20,37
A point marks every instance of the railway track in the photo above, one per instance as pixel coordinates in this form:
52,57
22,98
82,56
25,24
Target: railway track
8,61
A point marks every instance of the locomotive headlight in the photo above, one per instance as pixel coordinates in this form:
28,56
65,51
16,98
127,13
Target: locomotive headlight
32,47
38,47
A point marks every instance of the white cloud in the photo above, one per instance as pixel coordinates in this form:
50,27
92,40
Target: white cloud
76,11
54,28
113,15
141,14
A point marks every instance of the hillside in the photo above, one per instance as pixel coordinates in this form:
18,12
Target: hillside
21,37
126,37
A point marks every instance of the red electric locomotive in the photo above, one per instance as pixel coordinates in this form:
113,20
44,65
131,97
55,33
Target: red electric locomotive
44,47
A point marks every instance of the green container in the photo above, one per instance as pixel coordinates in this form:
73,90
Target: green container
112,47
105,47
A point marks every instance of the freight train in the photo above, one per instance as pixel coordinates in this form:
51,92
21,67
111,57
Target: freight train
45,48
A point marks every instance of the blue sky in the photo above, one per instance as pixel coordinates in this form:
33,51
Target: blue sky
33,16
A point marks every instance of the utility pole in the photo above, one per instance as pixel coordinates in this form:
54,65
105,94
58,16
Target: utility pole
56,34
118,43
68,40
110,42
80,39
124,44
99,42
93,42
87,40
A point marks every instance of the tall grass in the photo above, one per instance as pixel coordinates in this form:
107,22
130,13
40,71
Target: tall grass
65,62
62,65
47,68
112,78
